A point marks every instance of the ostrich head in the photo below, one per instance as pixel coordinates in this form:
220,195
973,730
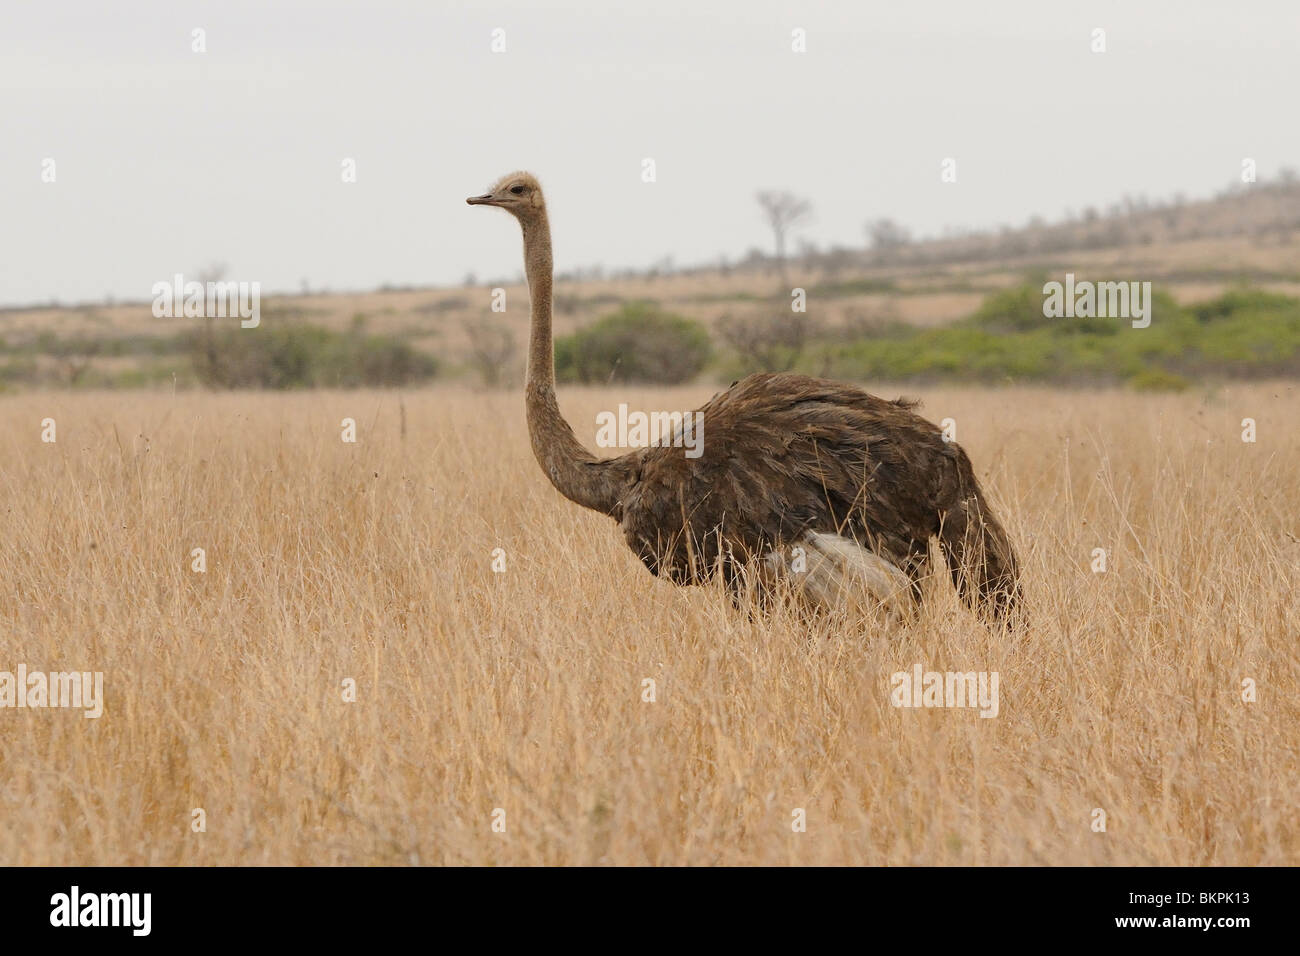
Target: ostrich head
519,194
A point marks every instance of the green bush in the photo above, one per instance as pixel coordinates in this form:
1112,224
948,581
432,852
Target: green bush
285,355
1242,333
1242,299
1159,380
638,343
1018,309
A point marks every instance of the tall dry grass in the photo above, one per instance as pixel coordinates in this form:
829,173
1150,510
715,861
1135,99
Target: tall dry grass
523,690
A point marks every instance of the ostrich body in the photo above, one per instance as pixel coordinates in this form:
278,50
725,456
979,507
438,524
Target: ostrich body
861,484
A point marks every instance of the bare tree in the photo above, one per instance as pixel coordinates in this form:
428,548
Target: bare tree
75,355
492,349
782,210
766,341
886,235
207,356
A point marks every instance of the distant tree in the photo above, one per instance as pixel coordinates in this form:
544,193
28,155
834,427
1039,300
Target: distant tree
492,349
783,210
837,259
207,340
76,354
767,342
885,235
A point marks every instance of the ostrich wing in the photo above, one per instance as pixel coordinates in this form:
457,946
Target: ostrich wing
785,455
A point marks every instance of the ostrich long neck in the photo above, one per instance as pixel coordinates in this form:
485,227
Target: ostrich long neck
573,470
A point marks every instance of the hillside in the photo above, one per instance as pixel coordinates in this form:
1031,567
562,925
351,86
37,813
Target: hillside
1193,251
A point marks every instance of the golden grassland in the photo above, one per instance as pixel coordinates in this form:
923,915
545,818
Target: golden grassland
523,690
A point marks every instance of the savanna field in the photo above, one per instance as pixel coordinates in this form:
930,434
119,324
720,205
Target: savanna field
522,690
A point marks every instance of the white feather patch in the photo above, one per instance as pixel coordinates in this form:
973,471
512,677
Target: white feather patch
840,574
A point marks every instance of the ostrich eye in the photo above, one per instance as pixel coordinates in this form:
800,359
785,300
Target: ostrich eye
517,190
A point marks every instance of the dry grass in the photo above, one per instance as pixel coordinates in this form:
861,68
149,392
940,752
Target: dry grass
522,690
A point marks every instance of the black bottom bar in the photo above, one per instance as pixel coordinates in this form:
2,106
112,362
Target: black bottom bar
944,906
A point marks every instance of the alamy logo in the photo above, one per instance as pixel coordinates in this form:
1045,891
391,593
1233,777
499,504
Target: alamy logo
82,690
922,688
626,429
208,300
103,909
1103,300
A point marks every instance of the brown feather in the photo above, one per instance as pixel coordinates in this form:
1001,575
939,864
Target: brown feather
784,455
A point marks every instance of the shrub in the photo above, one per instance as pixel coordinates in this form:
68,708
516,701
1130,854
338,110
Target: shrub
638,343
1018,309
1159,380
767,341
1244,332
284,355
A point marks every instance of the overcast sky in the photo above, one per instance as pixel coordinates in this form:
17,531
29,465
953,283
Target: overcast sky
167,159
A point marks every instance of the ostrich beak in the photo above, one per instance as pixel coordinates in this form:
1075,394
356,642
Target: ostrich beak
484,200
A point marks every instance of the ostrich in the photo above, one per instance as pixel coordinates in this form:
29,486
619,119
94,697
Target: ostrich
856,483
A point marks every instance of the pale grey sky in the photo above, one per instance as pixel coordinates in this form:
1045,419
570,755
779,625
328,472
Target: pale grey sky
168,159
